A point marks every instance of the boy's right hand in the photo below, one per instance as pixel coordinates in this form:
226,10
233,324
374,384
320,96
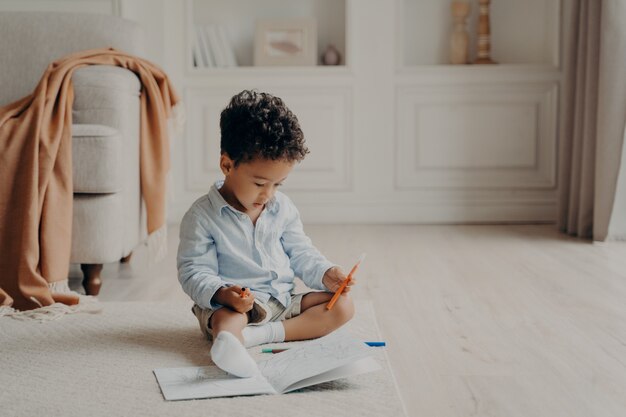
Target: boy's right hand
231,297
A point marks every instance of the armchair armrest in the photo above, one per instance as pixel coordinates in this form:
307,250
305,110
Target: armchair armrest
106,95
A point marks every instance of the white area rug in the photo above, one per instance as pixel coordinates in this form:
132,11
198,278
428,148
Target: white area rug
101,365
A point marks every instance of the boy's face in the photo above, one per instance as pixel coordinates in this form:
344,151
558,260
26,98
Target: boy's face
250,185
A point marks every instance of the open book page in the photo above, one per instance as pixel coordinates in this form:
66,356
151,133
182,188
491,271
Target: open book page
361,366
317,357
331,357
207,382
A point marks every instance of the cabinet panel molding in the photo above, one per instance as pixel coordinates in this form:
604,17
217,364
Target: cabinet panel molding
476,136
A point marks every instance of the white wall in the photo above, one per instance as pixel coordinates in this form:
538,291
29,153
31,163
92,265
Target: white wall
395,137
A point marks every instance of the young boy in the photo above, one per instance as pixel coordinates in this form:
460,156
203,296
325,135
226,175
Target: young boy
245,237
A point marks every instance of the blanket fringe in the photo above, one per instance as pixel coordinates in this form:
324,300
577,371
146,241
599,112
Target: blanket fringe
87,304
157,245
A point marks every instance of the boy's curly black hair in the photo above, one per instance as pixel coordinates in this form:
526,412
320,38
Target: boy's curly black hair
259,125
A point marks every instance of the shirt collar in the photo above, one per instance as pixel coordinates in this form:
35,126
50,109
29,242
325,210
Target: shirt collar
219,203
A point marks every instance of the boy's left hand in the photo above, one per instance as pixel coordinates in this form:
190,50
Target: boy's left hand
333,278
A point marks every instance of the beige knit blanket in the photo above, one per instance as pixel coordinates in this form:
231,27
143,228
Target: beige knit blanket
36,174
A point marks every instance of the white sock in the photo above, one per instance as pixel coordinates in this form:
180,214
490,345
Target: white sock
273,332
229,354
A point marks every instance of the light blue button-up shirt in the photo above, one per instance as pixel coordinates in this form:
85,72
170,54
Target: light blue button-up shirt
219,246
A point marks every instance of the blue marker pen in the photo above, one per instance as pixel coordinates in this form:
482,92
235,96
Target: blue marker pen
375,343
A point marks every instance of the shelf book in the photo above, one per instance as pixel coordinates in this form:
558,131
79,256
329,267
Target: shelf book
211,47
202,52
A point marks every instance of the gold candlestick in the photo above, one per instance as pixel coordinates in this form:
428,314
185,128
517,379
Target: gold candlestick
484,41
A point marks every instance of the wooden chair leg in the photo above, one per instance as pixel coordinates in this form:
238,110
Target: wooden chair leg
126,259
91,281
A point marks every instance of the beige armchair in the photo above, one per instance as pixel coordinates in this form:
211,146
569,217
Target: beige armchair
107,212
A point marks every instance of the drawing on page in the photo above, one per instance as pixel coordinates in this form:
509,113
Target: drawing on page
195,375
311,358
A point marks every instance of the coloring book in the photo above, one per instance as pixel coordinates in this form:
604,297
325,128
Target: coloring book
337,355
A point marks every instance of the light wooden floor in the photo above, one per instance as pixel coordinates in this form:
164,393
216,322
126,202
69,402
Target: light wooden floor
479,320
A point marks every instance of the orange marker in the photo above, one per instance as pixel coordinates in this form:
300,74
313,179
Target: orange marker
344,284
245,292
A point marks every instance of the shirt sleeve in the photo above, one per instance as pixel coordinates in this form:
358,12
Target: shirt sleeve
306,261
197,260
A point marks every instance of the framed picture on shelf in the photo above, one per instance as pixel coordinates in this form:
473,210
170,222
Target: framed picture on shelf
285,42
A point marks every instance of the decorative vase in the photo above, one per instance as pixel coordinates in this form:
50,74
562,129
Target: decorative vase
331,56
459,41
